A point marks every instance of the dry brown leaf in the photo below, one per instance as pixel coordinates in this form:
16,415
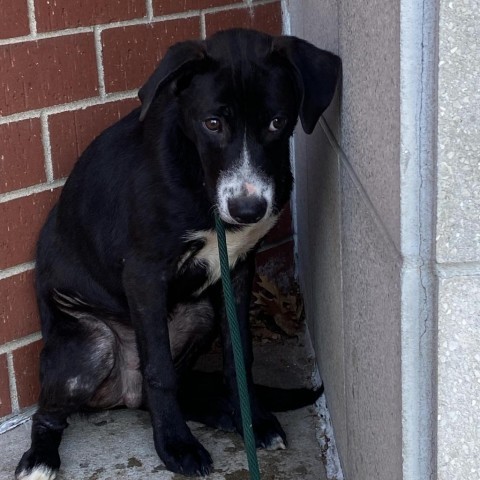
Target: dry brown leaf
284,309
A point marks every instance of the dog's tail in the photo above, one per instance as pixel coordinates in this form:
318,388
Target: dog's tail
282,400
204,398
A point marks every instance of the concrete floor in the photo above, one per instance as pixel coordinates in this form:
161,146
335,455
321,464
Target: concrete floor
118,444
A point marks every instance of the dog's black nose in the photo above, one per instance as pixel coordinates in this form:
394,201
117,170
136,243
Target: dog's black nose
247,209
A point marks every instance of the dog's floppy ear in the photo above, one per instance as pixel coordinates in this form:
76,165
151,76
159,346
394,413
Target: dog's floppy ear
180,59
316,72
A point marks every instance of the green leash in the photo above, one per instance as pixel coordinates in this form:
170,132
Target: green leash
248,435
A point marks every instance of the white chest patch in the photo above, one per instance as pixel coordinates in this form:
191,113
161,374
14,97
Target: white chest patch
239,243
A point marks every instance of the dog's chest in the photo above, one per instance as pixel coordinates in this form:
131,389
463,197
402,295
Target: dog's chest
239,243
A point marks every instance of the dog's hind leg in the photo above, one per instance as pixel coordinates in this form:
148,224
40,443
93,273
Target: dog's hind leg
78,356
202,397
191,331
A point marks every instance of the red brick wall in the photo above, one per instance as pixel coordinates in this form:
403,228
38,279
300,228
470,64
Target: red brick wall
69,69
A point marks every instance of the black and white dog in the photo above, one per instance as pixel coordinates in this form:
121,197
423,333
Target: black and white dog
127,262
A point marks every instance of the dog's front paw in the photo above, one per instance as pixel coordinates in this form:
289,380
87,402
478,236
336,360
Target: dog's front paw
38,465
186,456
269,433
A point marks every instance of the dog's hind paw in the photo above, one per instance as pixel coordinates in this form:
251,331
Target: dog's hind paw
269,434
275,442
39,472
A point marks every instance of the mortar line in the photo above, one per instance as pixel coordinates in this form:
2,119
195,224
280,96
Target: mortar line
32,21
236,6
12,383
101,26
17,419
16,270
458,269
148,21
286,19
45,35
68,107
47,148
99,56
149,9
128,23
9,347
203,26
26,192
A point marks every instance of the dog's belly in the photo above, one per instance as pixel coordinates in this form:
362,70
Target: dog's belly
239,243
191,330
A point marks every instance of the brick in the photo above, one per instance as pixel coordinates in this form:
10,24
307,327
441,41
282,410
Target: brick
72,132
165,7
131,53
27,373
5,402
266,18
20,223
21,155
18,310
53,15
16,10
46,72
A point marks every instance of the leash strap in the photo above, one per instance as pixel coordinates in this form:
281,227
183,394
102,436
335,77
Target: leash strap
248,435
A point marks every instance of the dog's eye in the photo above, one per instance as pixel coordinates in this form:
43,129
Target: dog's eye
277,124
213,124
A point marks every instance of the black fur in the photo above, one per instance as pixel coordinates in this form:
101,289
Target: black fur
126,293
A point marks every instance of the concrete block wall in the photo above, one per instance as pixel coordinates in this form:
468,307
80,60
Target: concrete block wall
388,234
68,70
348,232
458,240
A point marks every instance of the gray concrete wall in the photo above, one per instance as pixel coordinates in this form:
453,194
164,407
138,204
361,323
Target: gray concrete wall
348,231
365,232
388,234
458,240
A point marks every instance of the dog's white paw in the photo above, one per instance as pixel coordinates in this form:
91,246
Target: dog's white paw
276,443
41,472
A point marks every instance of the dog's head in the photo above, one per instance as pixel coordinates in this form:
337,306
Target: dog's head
238,96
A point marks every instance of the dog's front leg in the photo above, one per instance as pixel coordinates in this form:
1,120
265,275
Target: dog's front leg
146,288
268,431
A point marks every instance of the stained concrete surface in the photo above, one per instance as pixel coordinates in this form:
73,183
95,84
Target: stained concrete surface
118,444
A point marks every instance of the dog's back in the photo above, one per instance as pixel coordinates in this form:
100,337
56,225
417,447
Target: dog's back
86,233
